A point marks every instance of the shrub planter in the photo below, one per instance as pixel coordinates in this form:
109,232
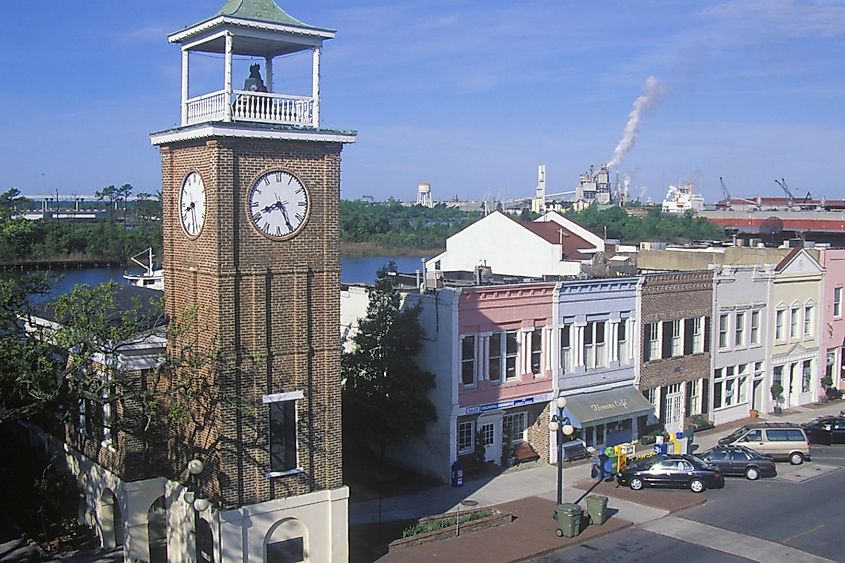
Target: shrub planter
498,518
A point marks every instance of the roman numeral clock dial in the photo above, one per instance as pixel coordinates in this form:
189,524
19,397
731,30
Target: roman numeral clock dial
278,205
192,205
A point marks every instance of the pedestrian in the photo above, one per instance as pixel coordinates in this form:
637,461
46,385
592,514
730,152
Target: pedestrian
597,470
689,434
605,467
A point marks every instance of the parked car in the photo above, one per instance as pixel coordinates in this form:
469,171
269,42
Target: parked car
826,430
739,460
683,471
780,440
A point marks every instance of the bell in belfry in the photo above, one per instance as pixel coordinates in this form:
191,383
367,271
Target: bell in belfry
254,83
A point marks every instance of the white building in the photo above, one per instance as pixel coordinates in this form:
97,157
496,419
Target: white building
550,246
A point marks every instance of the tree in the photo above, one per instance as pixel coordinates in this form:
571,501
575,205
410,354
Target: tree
385,398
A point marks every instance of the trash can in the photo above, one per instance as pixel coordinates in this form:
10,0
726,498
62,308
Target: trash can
568,520
457,474
597,509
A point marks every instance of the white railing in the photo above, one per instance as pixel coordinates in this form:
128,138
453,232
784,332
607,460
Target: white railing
210,107
252,106
273,108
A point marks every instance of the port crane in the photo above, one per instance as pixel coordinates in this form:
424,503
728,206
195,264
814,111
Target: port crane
726,192
788,192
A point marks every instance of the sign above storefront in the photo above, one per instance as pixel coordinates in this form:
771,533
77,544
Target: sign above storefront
624,402
506,404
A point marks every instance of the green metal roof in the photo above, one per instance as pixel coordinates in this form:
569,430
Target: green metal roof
259,10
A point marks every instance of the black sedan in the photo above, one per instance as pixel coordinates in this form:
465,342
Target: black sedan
739,460
684,471
826,430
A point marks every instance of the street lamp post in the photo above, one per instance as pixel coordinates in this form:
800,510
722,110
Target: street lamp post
560,425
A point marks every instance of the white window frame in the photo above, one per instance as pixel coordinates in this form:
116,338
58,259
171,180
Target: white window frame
780,325
653,337
794,322
730,386
723,330
594,353
469,361
837,302
755,328
471,448
496,356
698,335
739,329
566,351
677,342
809,318
514,356
512,416
267,400
535,355
622,355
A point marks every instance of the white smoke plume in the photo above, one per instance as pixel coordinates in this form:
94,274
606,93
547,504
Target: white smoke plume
652,92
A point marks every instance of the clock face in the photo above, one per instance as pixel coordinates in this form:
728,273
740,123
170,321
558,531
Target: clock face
278,205
192,205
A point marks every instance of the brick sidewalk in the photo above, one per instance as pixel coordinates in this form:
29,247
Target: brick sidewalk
531,534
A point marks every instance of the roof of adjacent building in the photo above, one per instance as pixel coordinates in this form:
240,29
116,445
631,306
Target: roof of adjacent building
557,234
147,302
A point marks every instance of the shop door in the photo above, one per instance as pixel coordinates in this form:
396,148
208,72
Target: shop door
757,395
673,415
488,439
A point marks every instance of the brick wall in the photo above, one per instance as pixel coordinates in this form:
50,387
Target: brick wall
270,308
669,297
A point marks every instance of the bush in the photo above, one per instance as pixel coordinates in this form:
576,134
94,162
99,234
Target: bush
699,422
441,523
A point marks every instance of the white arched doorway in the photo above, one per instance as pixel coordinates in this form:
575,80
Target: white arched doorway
111,522
286,542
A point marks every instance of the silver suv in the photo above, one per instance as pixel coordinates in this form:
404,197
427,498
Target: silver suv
780,440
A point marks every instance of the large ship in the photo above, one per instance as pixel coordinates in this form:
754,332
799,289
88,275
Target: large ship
680,199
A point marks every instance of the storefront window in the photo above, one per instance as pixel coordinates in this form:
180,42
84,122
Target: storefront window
465,437
806,376
514,426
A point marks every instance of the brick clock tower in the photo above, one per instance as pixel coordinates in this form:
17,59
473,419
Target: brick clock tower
251,192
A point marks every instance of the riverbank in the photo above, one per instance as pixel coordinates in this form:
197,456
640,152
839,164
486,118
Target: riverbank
372,249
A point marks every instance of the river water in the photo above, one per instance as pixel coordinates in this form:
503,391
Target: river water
353,269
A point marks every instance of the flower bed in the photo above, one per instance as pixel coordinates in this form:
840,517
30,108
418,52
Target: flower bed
442,526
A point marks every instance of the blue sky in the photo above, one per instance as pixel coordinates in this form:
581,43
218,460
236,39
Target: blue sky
468,96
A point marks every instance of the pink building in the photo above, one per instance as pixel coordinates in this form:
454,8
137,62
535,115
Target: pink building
506,374
833,321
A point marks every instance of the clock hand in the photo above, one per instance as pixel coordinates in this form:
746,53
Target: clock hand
285,213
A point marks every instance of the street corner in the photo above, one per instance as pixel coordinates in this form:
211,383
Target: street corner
670,500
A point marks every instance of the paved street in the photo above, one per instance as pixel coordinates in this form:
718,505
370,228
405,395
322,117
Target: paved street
793,517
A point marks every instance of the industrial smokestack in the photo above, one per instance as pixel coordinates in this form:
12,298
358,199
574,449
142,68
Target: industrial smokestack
652,92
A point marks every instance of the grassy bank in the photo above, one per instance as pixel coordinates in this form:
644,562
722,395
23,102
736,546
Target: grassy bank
371,249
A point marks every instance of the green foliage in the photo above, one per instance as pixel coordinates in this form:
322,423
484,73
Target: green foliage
653,226
385,398
827,380
441,523
392,224
777,391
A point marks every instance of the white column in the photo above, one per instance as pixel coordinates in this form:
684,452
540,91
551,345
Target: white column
185,74
268,67
315,85
578,348
227,86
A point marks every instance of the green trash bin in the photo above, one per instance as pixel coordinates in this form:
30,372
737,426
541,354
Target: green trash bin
568,520
597,509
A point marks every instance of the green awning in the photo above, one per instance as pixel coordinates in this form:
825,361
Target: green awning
606,406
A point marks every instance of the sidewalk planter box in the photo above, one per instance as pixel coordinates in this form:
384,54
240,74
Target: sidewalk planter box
498,518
